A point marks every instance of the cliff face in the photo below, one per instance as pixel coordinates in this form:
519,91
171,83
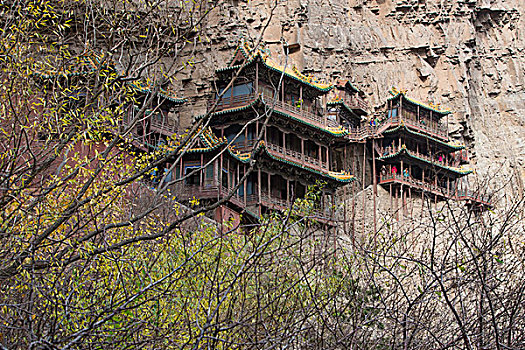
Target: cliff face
467,55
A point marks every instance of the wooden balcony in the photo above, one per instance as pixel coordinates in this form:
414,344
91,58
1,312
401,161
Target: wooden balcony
425,126
474,197
187,192
444,162
317,119
452,193
297,157
418,184
356,102
311,118
164,127
231,102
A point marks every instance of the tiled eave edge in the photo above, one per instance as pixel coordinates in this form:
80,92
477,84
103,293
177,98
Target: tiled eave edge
404,150
407,128
276,69
245,158
418,103
342,133
341,103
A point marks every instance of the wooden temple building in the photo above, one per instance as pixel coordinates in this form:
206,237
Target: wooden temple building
416,156
271,132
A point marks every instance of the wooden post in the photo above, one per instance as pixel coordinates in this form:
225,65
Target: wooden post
229,176
244,185
320,156
238,171
332,219
327,159
284,141
302,148
363,192
259,190
410,202
301,97
397,207
221,165
257,78
269,187
287,192
374,175
353,198
391,199
201,170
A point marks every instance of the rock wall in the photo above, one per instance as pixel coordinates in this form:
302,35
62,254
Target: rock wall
467,55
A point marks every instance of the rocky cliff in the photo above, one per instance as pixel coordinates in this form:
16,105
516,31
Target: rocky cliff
467,55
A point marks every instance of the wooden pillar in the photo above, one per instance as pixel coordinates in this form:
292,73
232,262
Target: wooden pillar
327,158
374,194
301,97
221,166
284,140
229,175
391,199
353,196
332,219
302,148
397,206
288,192
402,190
269,186
259,189
410,203
215,172
364,197
320,156
257,78
244,185
238,171
201,170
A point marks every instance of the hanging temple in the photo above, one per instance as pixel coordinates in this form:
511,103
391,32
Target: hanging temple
274,132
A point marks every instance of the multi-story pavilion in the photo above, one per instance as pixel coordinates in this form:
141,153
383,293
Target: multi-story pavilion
416,155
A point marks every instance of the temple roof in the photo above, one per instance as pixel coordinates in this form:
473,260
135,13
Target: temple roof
251,55
145,87
333,131
345,83
451,144
431,107
404,150
337,101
